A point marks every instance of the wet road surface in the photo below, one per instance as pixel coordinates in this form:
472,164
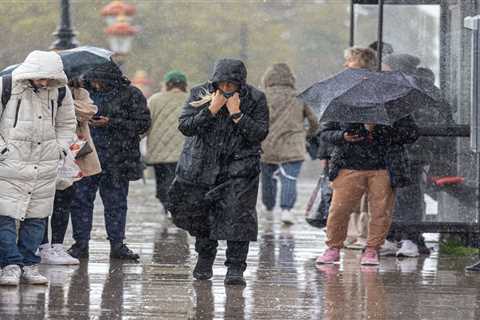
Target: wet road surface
283,281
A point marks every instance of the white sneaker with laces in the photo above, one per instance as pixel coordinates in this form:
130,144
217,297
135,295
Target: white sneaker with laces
389,248
408,249
287,216
57,255
31,275
10,275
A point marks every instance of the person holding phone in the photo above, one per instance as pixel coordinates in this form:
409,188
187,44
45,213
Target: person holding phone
116,129
214,193
367,158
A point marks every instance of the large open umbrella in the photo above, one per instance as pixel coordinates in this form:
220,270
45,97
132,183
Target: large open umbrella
77,61
362,96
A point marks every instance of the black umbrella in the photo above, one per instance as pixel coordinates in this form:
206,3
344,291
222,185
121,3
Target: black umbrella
362,96
77,61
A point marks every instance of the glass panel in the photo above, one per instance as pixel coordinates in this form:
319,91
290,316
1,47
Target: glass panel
442,45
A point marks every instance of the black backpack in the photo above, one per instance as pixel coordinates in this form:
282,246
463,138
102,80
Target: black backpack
7,92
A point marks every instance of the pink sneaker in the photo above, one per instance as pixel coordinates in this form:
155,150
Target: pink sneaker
370,257
331,255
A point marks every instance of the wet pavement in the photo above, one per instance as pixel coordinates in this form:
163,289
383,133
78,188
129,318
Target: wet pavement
283,281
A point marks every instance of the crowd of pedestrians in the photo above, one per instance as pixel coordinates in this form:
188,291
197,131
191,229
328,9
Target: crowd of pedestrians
211,148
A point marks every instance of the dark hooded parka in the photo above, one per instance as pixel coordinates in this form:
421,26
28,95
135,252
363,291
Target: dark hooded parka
215,190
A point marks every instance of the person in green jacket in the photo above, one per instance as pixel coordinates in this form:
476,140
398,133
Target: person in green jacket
164,140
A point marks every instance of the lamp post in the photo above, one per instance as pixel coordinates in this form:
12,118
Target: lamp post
64,34
118,16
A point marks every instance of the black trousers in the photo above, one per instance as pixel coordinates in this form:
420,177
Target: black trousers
164,175
236,253
60,216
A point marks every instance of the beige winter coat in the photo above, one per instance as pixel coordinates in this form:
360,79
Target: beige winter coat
164,140
84,111
286,140
36,133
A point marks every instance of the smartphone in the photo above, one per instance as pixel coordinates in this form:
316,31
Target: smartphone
96,118
359,131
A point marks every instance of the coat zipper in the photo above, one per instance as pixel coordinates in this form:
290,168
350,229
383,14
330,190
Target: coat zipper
53,112
16,112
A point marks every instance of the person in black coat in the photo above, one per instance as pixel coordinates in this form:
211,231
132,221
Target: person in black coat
122,118
214,193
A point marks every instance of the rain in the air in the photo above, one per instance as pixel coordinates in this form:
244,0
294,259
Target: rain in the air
240,159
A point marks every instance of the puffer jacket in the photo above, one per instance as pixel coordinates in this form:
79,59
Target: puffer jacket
286,140
35,134
164,140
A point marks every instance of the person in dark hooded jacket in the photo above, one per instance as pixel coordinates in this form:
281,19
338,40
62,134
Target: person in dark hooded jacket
122,118
214,193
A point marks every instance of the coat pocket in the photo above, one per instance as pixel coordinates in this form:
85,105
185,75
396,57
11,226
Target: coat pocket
244,167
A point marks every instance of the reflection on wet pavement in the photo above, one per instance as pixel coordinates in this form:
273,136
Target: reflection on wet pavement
283,281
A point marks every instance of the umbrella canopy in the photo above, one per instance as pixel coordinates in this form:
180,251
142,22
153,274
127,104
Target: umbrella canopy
82,59
363,96
77,61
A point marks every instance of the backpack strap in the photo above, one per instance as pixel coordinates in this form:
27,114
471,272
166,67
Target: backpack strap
6,90
62,92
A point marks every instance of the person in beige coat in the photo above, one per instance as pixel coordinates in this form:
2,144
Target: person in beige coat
36,131
284,148
89,165
164,140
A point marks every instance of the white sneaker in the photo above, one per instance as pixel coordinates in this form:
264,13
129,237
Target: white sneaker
31,275
10,275
287,216
408,249
389,248
56,254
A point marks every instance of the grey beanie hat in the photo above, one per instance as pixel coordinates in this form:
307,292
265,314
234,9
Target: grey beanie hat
402,62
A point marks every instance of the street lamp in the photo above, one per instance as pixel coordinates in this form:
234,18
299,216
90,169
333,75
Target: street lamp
117,8
120,35
64,34
118,16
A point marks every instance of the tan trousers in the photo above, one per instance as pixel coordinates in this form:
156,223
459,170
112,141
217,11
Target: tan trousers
348,189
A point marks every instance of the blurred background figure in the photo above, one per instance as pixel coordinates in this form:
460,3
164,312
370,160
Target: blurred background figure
164,140
403,240
284,148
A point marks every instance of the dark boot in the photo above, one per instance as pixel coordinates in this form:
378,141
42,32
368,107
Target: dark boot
204,268
79,250
237,252
474,267
121,251
207,251
235,277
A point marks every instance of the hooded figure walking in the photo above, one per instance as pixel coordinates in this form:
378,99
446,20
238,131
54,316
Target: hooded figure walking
36,129
214,193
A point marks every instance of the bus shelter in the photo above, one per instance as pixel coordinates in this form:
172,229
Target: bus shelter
445,38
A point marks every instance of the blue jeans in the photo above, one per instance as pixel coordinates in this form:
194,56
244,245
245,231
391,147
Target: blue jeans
114,197
287,173
30,236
